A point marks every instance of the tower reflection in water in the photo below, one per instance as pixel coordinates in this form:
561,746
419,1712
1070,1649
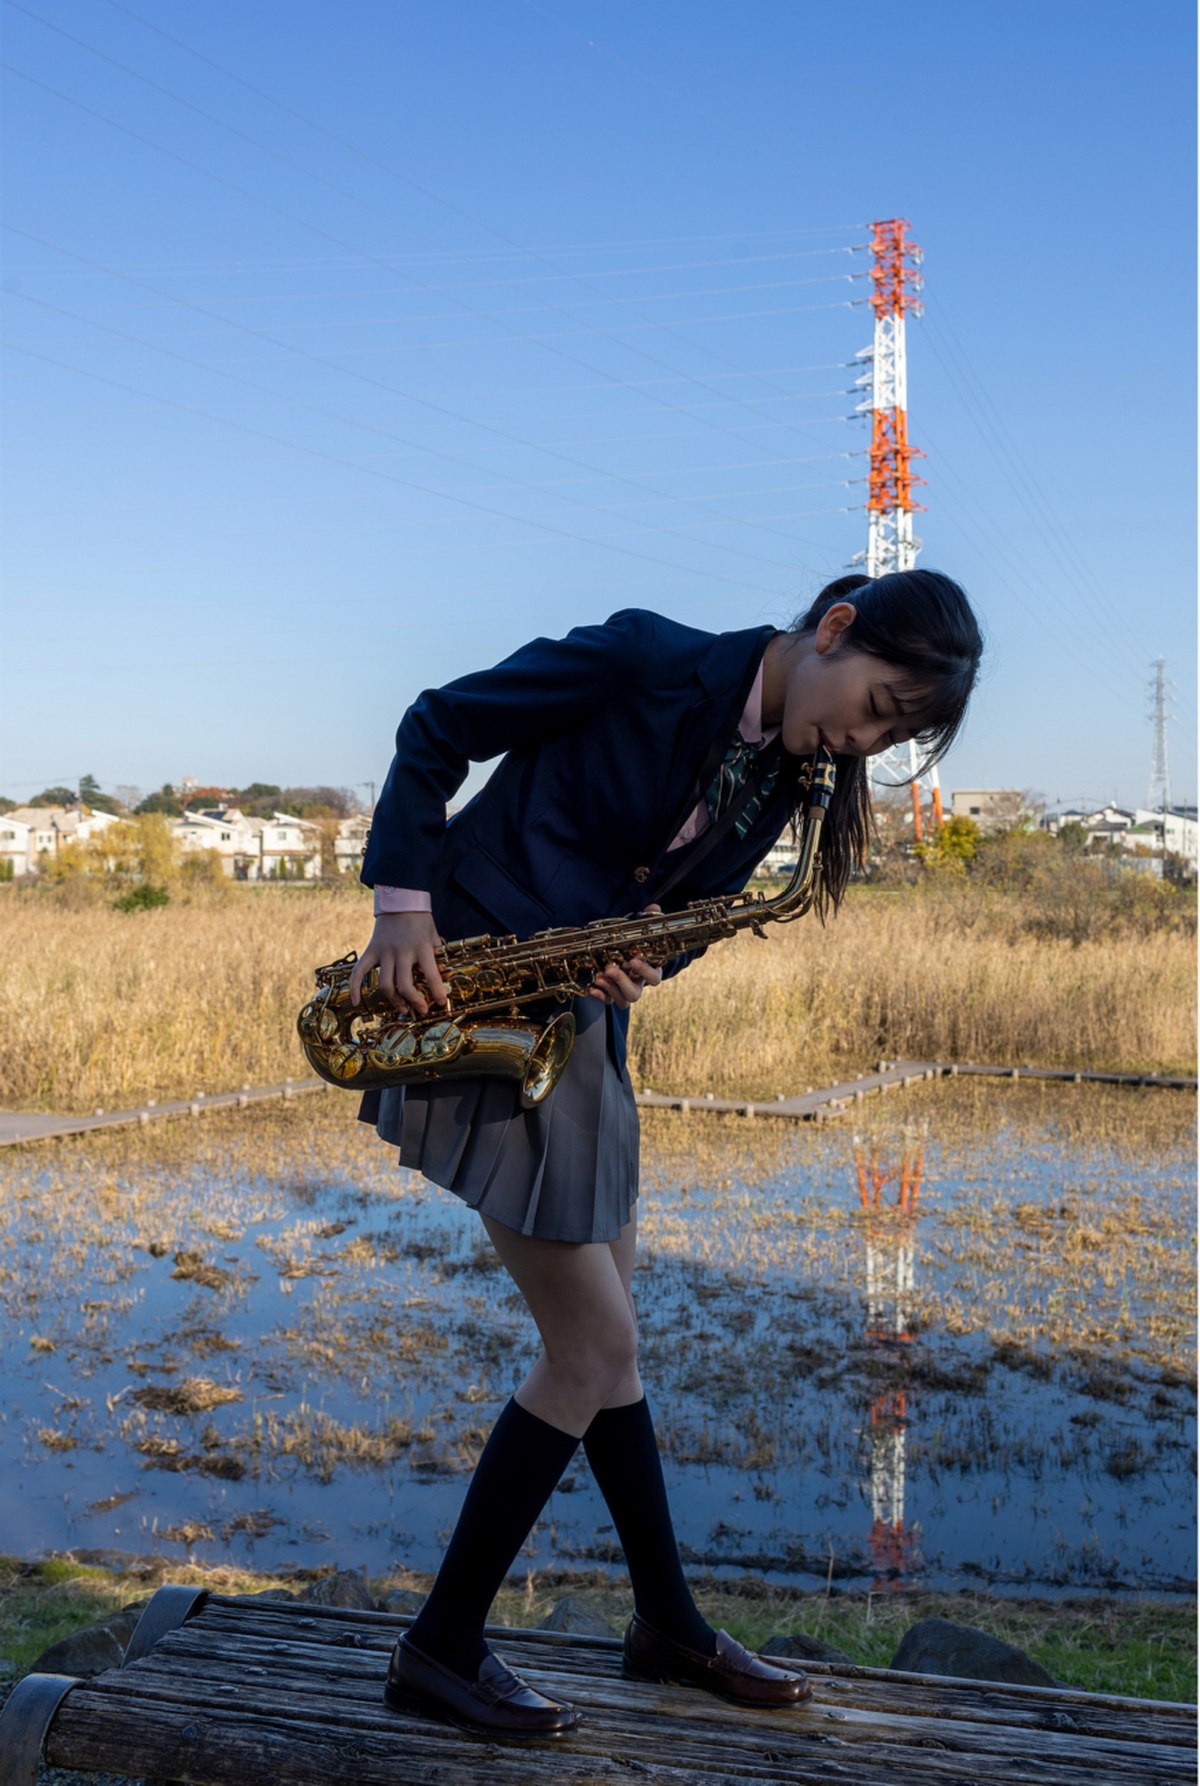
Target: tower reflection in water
890,1198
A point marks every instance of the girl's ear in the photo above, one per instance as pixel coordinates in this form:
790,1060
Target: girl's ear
834,624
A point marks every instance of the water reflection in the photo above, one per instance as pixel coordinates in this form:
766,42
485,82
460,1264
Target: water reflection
238,1349
889,1196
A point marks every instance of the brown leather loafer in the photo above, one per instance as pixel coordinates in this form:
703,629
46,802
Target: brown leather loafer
497,1703
734,1672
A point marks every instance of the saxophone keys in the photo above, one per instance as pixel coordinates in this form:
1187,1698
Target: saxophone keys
345,1062
440,1043
396,1047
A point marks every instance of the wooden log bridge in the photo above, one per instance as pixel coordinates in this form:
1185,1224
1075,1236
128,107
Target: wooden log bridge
814,1105
227,1692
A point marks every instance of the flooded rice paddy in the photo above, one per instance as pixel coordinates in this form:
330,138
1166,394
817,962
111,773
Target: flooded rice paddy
953,1348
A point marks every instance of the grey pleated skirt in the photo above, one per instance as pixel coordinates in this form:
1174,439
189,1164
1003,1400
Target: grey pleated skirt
565,1170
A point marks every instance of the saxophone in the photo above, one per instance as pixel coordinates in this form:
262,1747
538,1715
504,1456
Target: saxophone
481,1031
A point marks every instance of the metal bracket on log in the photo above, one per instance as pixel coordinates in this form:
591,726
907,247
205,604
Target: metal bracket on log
24,1722
170,1607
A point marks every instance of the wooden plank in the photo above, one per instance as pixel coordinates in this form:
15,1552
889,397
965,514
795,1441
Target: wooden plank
17,1126
338,1662
250,1692
304,1623
240,1745
347,1688
228,1745
1036,1708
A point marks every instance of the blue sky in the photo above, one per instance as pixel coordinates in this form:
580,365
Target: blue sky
347,350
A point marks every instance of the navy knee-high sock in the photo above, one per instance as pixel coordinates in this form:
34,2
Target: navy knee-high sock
517,1472
623,1452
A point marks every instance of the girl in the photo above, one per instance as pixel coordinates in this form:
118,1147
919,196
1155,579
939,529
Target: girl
642,761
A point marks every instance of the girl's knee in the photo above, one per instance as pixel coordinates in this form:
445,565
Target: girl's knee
600,1363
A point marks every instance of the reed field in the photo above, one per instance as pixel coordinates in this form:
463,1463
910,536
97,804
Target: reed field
107,1007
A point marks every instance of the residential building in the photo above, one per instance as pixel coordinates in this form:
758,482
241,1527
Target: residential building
781,858
17,854
30,833
224,830
252,849
992,809
289,849
1136,829
350,843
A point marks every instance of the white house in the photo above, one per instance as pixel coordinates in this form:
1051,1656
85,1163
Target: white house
224,830
252,849
28,833
781,858
1137,829
350,843
17,854
288,848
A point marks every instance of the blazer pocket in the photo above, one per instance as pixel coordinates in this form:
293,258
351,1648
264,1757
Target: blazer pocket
492,888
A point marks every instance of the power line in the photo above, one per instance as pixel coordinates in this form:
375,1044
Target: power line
1029,491
388,477
308,173
391,434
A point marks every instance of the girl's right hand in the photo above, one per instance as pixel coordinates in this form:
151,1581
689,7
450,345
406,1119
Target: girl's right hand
400,942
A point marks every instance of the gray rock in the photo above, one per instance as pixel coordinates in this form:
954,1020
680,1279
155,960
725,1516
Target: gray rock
7,1669
347,1588
270,1594
93,1649
402,1601
118,1562
936,1646
570,1614
804,1649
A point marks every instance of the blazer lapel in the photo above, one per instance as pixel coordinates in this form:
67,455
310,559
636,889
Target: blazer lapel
727,671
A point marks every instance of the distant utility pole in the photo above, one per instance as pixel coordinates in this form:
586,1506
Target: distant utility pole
891,542
1159,799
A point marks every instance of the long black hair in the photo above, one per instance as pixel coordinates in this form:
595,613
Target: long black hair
920,621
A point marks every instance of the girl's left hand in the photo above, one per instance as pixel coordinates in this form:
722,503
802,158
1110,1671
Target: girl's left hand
622,986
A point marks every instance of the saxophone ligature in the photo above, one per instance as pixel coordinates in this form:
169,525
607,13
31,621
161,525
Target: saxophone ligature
484,1029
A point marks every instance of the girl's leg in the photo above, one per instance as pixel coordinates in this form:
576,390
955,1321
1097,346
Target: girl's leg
623,1453
579,1303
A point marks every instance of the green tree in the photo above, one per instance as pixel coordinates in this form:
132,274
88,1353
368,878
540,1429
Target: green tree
259,800
54,797
164,801
1072,837
90,795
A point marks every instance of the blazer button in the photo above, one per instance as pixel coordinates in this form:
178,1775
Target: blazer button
641,874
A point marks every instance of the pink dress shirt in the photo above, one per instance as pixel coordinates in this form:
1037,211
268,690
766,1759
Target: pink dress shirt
752,730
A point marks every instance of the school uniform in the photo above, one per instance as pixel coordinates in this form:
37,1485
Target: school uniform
611,736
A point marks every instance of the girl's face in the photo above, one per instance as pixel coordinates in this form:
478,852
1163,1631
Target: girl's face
823,692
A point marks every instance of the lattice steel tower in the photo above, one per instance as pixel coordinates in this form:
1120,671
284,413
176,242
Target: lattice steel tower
1159,799
891,543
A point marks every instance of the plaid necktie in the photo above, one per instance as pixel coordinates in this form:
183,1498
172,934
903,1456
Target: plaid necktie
744,762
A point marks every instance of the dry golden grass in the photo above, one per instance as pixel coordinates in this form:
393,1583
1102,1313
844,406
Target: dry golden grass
896,976
107,1008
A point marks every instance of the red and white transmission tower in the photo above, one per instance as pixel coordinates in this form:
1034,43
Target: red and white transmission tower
891,542
890,1232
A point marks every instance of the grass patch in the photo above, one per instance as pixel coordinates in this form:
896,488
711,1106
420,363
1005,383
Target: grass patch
1144,1648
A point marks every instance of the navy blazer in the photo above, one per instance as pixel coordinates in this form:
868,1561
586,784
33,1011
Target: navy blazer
610,736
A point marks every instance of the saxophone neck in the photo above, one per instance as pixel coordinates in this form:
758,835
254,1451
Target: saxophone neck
804,887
